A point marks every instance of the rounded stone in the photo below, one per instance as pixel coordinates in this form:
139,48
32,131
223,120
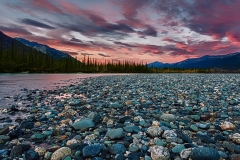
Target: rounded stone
48,155
205,153
61,153
168,117
154,131
178,148
92,150
83,124
159,153
117,149
115,133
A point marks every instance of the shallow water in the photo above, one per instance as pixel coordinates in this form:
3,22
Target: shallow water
13,84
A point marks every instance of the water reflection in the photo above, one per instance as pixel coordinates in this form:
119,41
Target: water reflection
13,84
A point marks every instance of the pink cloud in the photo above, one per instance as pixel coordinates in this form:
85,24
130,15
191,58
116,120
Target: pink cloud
46,5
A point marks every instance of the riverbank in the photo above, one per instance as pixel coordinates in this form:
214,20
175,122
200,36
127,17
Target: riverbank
151,116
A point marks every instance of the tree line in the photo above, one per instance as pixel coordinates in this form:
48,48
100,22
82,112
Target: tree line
17,57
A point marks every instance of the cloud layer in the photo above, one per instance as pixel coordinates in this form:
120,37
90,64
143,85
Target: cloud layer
148,30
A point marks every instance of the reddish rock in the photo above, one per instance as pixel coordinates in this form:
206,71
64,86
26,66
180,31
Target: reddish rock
205,117
235,157
4,131
227,126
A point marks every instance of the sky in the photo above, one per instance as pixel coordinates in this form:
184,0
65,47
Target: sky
136,30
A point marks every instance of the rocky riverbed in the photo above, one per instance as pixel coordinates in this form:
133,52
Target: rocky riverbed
142,116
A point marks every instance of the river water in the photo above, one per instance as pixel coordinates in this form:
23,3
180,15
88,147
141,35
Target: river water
13,84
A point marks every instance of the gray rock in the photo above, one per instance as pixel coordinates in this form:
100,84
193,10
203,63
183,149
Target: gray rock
47,133
4,138
178,148
116,105
95,117
32,155
168,117
83,124
92,150
18,150
159,142
206,138
233,148
4,152
37,136
222,154
159,153
203,126
185,153
205,153
133,147
195,117
185,138
193,128
154,131
115,133
131,128
74,102
117,149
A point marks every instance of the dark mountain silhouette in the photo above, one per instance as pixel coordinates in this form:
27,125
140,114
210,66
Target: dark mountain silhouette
43,48
15,56
229,62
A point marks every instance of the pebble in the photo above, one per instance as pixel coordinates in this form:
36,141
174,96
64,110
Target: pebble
117,149
178,148
83,124
92,150
115,133
235,138
168,117
61,153
159,153
185,153
205,153
227,126
32,155
4,131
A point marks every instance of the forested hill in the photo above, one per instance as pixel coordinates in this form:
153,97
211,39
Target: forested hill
17,57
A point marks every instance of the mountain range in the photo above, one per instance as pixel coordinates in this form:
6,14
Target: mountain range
7,42
229,62
43,48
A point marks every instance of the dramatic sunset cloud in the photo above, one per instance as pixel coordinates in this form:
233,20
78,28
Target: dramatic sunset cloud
137,30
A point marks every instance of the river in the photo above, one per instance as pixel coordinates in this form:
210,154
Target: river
13,84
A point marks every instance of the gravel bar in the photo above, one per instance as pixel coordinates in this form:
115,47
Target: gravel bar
134,117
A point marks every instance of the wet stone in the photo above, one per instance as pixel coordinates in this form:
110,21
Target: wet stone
32,155
205,153
117,149
178,148
92,150
83,124
4,130
115,133
18,150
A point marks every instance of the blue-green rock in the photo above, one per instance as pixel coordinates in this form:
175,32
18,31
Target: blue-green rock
178,148
115,133
83,124
205,153
37,136
92,150
117,149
